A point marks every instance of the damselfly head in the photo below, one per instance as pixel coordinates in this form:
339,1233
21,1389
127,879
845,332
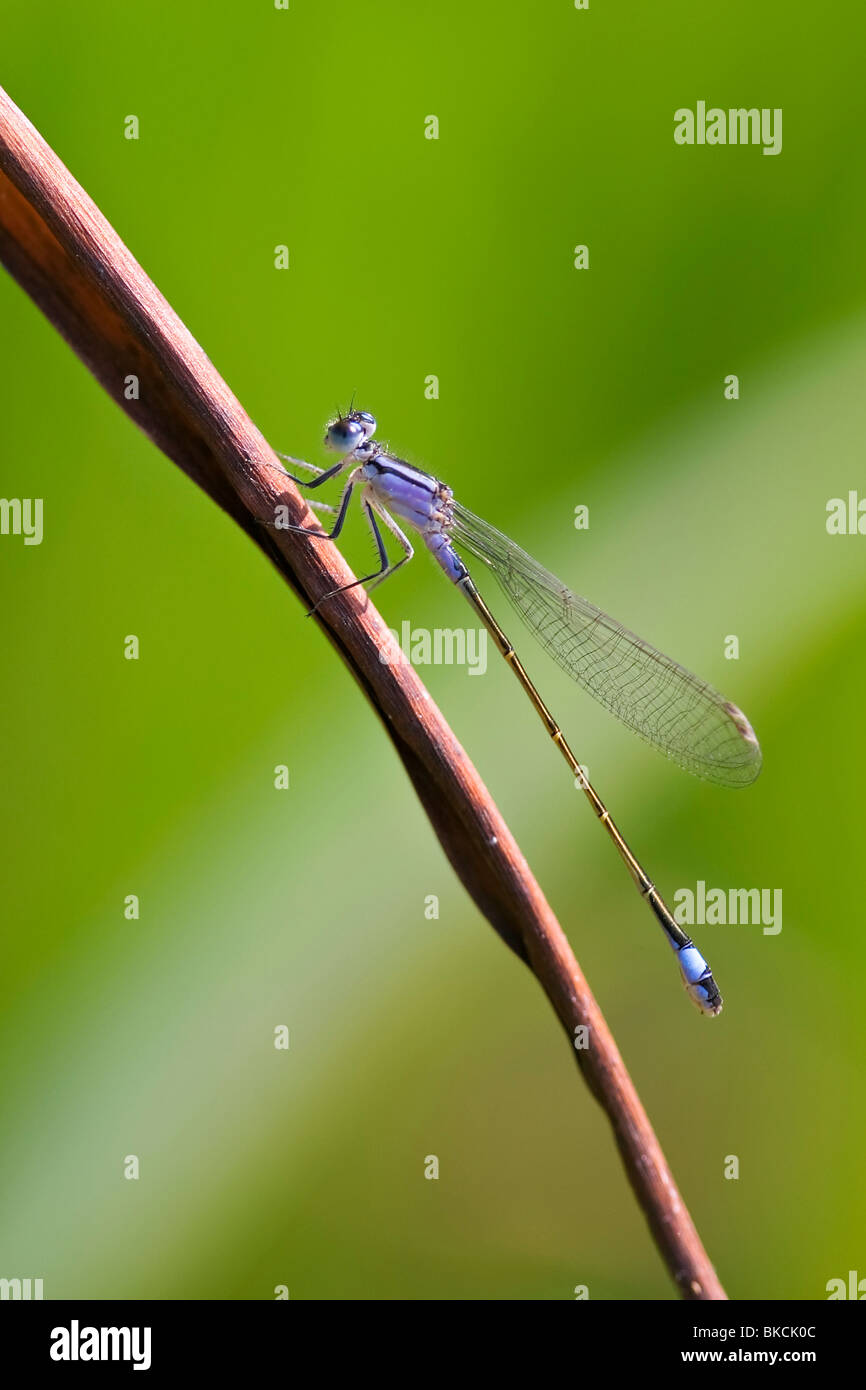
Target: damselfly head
348,432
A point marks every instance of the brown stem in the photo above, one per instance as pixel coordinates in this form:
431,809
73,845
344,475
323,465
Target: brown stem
60,248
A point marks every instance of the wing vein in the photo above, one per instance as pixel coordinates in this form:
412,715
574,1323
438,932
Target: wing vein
655,697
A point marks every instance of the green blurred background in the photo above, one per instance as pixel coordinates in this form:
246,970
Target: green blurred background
409,1037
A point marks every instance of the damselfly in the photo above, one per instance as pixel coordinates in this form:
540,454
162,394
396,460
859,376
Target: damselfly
658,699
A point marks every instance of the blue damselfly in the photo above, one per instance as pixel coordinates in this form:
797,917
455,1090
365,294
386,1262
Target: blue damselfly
682,716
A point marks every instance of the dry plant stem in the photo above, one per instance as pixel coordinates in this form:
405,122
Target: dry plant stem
63,252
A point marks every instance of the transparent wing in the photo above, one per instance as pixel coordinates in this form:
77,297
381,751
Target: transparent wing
679,714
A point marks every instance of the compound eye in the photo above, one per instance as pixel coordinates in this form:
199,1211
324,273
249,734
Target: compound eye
367,420
344,436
